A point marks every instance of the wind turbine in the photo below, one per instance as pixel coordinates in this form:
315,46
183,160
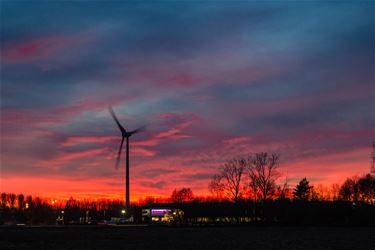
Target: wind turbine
124,134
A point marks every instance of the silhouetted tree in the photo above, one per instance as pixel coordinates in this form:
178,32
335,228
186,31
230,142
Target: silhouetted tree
229,181
3,199
253,191
321,193
262,169
303,190
12,199
215,187
335,191
283,190
182,195
29,201
350,189
20,200
366,186
72,209
149,200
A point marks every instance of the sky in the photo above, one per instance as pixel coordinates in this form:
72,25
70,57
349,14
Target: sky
211,80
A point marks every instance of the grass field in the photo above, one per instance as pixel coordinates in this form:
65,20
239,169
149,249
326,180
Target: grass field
155,237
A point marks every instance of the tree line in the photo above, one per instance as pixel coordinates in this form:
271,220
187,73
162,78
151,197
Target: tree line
248,182
255,178
36,210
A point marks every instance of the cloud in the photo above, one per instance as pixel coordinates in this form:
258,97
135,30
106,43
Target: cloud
156,172
66,157
211,82
42,48
200,176
74,140
153,185
143,152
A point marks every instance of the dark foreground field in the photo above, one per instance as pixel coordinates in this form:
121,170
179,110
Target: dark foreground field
153,237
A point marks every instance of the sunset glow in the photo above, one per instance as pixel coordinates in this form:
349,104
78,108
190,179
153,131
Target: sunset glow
209,81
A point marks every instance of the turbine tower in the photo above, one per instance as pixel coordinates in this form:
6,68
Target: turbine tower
124,134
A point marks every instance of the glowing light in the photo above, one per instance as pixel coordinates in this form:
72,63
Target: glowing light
160,212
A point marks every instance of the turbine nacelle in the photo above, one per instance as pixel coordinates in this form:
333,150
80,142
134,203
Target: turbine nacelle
128,134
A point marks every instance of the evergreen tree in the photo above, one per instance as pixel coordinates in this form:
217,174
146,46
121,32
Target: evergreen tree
303,190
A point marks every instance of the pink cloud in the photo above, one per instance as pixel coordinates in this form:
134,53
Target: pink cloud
93,103
74,140
50,116
177,126
65,157
41,48
331,134
20,116
193,168
82,154
201,162
143,151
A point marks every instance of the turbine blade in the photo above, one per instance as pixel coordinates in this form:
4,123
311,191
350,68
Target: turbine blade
116,120
119,153
140,129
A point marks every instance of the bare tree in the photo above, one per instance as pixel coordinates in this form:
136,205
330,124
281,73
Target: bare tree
216,187
322,192
229,182
283,190
263,173
253,191
335,191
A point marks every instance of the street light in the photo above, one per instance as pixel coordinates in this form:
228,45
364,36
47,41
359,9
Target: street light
123,213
